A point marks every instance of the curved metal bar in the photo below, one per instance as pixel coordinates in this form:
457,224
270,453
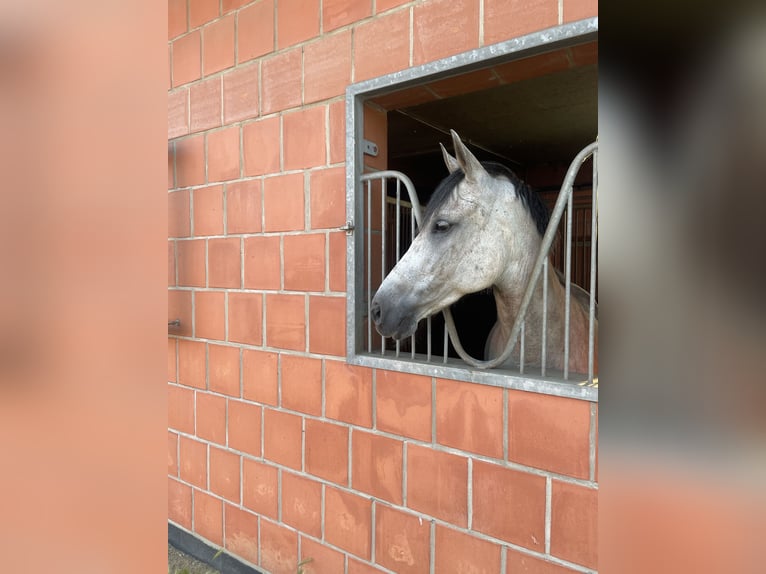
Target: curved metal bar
558,210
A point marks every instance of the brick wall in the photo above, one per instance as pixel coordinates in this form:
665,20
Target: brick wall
277,449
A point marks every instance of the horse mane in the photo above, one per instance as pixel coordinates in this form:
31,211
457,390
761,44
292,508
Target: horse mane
529,197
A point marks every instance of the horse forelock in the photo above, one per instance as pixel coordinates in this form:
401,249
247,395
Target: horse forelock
529,197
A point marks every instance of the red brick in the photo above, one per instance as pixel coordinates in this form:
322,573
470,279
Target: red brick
574,523
302,504
328,198
578,9
337,262
302,384
240,93
241,533
297,20
282,438
245,427
552,433
209,315
327,451
304,138
279,548
327,67
191,363
327,325
262,263
223,154
208,517
180,503
382,46
518,563
283,203
281,82
255,30
218,45
261,146
499,493
442,28
381,5
191,263
178,113
404,404
321,559
205,98
337,132
376,466
402,541
457,553
190,161
181,409
286,322
224,474
243,207
357,567
337,13
224,369
211,418
260,488
171,159
246,318
180,307
172,358
171,263
202,11
176,18
260,378
348,390
208,210
187,61
506,19
304,262
193,460
172,454
348,521
437,484
223,263
229,5
469,417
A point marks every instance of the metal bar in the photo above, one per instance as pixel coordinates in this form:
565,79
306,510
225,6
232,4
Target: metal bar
369,266
412,238
521,348
568,283
593,264
446,345
544,341
398,234
428,339
383,194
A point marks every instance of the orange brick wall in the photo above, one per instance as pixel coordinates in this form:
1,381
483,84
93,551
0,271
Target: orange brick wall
278,450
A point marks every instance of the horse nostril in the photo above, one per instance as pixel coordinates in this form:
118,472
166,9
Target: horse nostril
375,312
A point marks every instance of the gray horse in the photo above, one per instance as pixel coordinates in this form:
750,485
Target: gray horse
483,228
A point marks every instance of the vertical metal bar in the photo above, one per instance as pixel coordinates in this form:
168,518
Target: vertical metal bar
369,266
521,347
412,237
568,283
398,235
544,337
428,339
593,263
446,344
383,195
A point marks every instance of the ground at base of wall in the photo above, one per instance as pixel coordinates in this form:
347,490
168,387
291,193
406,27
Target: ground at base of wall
181,563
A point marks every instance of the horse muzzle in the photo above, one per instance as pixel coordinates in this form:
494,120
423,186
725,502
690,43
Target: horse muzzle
396,321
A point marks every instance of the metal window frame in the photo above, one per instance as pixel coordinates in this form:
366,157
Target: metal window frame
356,94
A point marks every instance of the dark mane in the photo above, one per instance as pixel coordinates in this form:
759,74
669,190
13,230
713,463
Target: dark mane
536,208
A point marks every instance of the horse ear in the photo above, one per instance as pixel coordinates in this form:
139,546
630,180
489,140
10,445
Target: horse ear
449,161
466,160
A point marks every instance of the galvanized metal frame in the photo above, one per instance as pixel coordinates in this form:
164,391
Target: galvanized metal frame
356,94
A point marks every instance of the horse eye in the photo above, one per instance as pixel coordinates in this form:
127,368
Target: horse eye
442,226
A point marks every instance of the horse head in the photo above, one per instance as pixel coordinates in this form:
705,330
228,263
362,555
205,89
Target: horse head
473,227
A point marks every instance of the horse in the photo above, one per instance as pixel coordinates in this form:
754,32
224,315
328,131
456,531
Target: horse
483,228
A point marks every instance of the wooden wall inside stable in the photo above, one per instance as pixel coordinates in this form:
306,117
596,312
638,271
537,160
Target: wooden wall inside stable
277,449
